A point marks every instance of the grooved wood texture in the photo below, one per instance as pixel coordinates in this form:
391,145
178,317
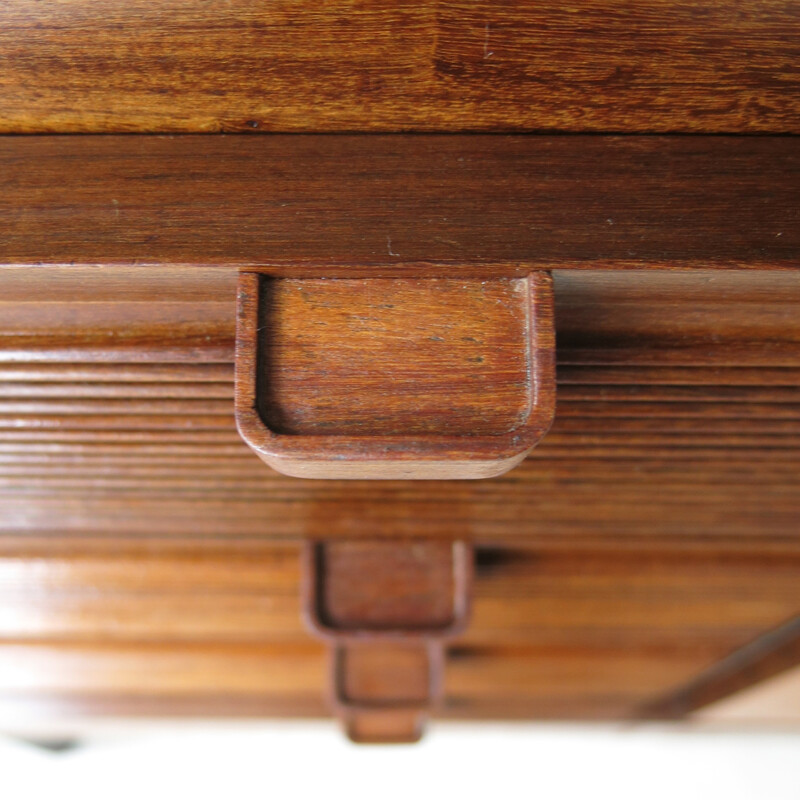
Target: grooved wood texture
202,628
654,533
417,206
439,65
633,459
149,565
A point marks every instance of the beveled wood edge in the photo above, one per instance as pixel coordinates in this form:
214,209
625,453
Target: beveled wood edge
768,655
487,455
463,579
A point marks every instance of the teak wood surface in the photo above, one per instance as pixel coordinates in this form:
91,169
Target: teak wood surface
100,66
644,560
193,628
388,608
677,419
406,205
402,378
150,562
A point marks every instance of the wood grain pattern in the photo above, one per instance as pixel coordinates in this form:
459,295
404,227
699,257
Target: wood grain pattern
394,378
557,596
414,206
371,588
641,465
256,680
192,628
341,356
387,608
630,567
148,567
439,65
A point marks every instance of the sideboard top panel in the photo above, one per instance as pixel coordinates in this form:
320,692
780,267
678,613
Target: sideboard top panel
189,66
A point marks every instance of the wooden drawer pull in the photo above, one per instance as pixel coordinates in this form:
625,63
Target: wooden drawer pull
394,378
387,608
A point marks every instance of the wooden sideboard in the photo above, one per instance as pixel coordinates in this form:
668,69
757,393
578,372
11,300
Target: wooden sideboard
642,562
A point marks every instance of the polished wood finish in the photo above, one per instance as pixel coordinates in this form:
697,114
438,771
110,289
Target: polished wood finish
645,466
626,570
388,590
150,565
384,692
391,589
388,607
85,66
193,628
413,206
394,378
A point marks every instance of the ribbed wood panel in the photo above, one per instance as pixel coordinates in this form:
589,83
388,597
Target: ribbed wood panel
114,628
146,565
678,417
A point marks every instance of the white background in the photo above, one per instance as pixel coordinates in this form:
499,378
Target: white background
294,760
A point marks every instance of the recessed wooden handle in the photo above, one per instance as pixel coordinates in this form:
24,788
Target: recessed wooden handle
394,378
387,608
